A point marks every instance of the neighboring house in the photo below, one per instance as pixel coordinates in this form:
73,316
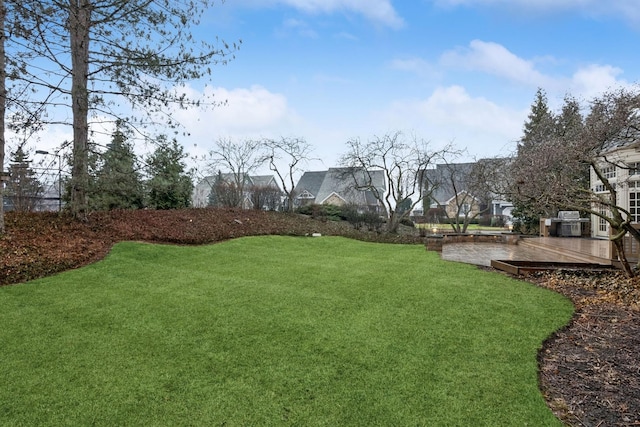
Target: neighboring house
454,188
502,208
203,189
463,204
201,192
336,186
49,200
626,178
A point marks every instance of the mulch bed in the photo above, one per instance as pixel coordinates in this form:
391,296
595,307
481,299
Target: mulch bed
589,370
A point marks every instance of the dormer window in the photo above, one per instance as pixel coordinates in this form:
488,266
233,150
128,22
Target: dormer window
306,195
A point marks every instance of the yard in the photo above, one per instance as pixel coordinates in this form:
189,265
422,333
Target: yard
275,330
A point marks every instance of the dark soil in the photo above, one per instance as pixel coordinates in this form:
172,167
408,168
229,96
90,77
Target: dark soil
589,371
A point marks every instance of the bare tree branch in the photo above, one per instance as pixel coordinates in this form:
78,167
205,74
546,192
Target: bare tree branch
403,162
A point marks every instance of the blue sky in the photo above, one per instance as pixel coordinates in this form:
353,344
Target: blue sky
445,70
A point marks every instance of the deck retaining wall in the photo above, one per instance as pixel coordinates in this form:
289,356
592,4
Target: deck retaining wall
435,242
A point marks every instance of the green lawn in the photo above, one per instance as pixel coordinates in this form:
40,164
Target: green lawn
275,331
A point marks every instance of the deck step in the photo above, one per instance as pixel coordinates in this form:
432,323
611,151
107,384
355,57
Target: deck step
555,245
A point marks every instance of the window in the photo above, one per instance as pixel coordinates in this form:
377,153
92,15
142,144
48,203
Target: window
634,206
306,195
600,188
634,168
608,172
465,208
603,226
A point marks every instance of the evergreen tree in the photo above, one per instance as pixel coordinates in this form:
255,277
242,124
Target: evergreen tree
96,56
540,127
570,123
169,185
540,124
118,184
569,127
23,189
543,132
213,195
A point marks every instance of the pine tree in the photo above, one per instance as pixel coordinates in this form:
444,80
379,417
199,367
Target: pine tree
169,185
23,189
540,124
570,122
95,57
118,182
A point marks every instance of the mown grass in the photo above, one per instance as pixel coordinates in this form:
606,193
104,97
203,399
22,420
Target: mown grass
275,331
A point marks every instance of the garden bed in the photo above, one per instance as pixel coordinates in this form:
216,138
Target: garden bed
524,268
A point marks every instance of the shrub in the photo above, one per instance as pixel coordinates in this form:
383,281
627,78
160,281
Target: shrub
333,212
322,212
497,221
406,221
373,221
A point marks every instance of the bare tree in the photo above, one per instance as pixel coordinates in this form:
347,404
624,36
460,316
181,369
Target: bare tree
552,177
3,107
267,197
463,190
295,153
224,193
404,163
240,159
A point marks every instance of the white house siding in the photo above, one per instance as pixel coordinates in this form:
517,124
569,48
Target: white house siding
627,185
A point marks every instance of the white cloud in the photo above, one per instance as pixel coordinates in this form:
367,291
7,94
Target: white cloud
586,82
413,65
252,112
623,9
452,114
346,36
380,11
537,4
593,80
247,110
495,59
300,27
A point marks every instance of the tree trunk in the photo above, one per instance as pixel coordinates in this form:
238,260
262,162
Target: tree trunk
3,106
622,257
393,222
79,24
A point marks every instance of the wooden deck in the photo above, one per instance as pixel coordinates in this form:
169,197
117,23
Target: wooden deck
596,251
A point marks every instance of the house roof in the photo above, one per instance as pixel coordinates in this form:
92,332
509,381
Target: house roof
463,195
339,181
440,181
263,180
258,180
202,189
310,182
205,183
